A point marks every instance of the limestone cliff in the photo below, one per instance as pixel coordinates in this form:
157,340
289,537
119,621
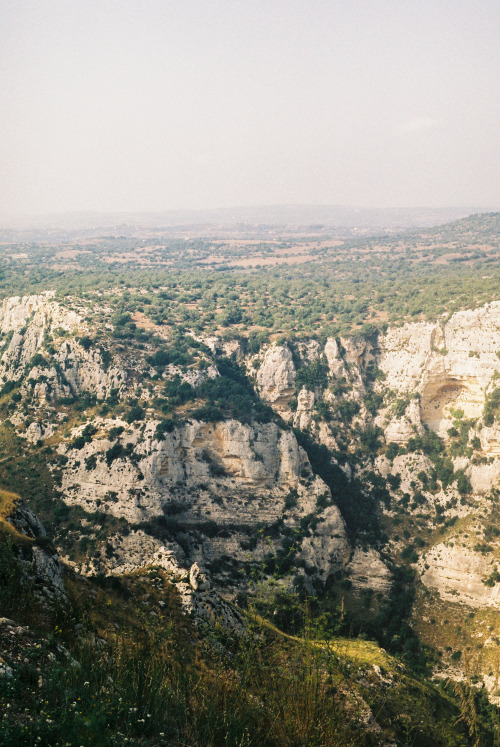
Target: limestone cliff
217,484
409,415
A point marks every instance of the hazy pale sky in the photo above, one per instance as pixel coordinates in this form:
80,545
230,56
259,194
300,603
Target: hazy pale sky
116,105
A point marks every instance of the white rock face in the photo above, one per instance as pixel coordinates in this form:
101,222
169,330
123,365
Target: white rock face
451,364
303,413
490,440
229,474
399,431
84,370
309,351
74,369
198,579
132,550
404,352
276,376
407,466
226,347
15,311
28,318
335,362
214,455
215,484
457,572
368,571
484,476
36,432
327,549
356,350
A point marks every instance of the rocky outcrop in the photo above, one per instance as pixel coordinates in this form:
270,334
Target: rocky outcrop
276,377
303,413
368,571
135,549
84,371
36,326
208,457
39,561
451,364
206,606
327,548
15,312
332,354
215,484
459,574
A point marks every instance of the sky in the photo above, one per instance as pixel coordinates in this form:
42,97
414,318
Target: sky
140,105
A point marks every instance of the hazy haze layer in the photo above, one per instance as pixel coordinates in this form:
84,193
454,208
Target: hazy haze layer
183,104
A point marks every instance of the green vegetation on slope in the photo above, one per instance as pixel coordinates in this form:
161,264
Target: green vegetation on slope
146,676
207,285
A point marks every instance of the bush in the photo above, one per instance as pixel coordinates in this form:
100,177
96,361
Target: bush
370,439
291,499
84,438
9,386
373,402
392,451
86,342
346,409
208,413
491,407
117,451
135,414
464,486
399,408
38,361
314,376
164,427
91,462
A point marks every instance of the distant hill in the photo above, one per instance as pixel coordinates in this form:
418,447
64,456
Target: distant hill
480,225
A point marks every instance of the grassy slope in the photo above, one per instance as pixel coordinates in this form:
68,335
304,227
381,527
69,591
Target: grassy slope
147,675
8,503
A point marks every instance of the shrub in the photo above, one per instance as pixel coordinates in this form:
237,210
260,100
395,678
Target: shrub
9,386
84,438
164,427
392,451
38,361
291,499
346,409
399,408
91,462
86,342
135,414
314,376
117,451
464,486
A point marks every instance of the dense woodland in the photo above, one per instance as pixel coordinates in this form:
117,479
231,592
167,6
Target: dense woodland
308,284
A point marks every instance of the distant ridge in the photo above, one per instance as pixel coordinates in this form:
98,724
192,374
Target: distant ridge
275,215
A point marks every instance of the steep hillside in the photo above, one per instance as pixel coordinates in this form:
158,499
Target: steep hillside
358,471
88,665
